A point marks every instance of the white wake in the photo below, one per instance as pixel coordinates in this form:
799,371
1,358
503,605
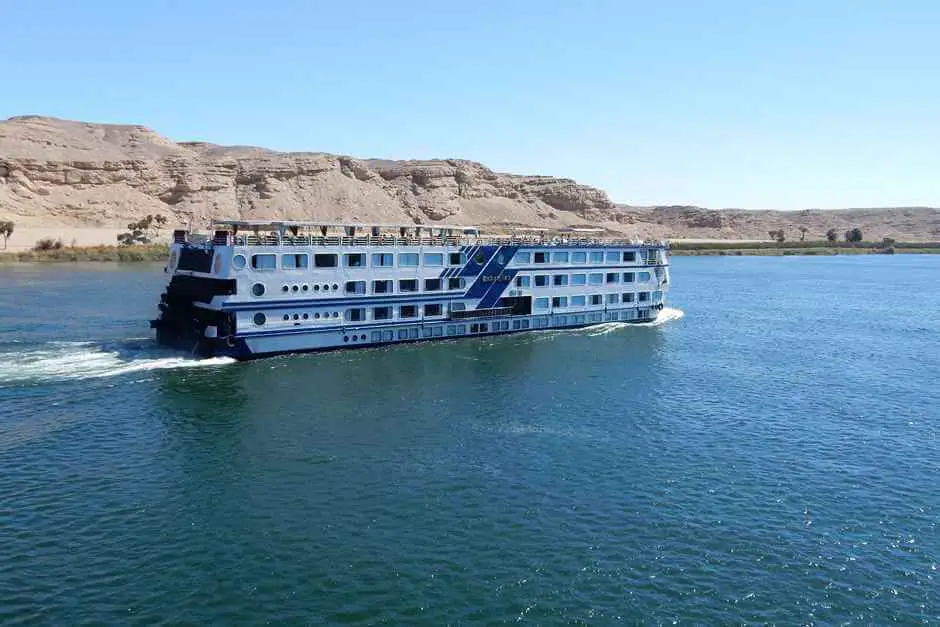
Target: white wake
90,360
668,314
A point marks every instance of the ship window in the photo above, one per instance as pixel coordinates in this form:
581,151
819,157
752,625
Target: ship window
456,283
525,324
613,299
559,302
559,280
613,256
433,309
438,331
376,336
458,306
432,285
629,256
260,319
628,277
461,329
644,296
355,260
324,261
522,281
613,277
381,313
541,280
355,287
257,289
578,279
402,334
541,257
356,315
408,260
523,257
644,276
516,325
597,299
239,262
381,287
264,261
383,260
597,256
413,333
541,304
295,261
596,278
560,257
457,259
408,311
408,285
628,297
434,259
451,329
577,301
561,320
578,257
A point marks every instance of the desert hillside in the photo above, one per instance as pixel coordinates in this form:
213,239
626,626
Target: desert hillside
67,175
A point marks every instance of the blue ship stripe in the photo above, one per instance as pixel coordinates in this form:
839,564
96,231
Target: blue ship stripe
497,289
472,267
499,259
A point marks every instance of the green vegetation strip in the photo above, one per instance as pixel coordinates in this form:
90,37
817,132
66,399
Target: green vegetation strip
124,254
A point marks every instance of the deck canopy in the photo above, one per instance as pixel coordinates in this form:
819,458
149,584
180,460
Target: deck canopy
349,229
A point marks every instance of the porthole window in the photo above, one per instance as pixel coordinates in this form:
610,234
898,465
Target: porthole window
317,316
345,338
239,262
258,289
479,258
335,286
260,319
295,288
284,288
306,316
305,287
296,316
336,314
286,317
326,287
316,288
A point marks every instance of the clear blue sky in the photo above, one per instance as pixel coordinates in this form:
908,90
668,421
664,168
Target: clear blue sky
757,104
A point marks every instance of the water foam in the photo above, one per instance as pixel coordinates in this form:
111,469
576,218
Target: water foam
92,360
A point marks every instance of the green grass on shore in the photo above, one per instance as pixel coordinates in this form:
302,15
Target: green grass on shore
800,248
123,254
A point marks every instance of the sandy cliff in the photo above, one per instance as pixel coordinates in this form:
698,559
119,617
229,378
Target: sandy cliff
67,175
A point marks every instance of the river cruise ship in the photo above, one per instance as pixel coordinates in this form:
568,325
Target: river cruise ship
253,289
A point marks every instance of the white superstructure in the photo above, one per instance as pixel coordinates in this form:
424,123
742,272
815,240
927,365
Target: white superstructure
262,288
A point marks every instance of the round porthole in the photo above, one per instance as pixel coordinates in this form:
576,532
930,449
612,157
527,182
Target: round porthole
260,319
285,288
306,316
294,288
317,316
316,288
286,317
480,258
258,289
239,262
296,316
501,260
336,314
345,338
335,286
326,287
305,287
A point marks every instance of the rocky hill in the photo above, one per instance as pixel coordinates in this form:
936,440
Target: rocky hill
67,174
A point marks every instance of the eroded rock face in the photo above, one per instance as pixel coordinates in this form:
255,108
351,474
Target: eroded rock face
60,172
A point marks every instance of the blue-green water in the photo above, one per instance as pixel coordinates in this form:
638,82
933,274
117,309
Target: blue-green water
772,456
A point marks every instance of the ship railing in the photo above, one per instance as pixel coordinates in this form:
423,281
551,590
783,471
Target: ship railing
272,239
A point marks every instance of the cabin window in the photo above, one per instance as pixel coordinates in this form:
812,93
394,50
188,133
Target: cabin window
541,280
381,313
383,260
541,257
596,278
578,257
613,299
355,260
560,257
257,289
456,259
381,287
541,304
597,256
597,299
522,257
434,259
324,261
432,285
356,315
408,311
628,297
408,260
264,261
578,279
451,329
295,261
577,301
239,262
458,306
628,277
260,319
644,276
644,297
456,283
613,277
433,309
559,280
559,302
355,287
629,256
613,256
523,281
408,285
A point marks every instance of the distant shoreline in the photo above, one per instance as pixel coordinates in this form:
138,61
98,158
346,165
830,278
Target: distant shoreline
160,252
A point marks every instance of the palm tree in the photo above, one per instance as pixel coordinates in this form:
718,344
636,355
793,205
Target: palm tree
803,231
